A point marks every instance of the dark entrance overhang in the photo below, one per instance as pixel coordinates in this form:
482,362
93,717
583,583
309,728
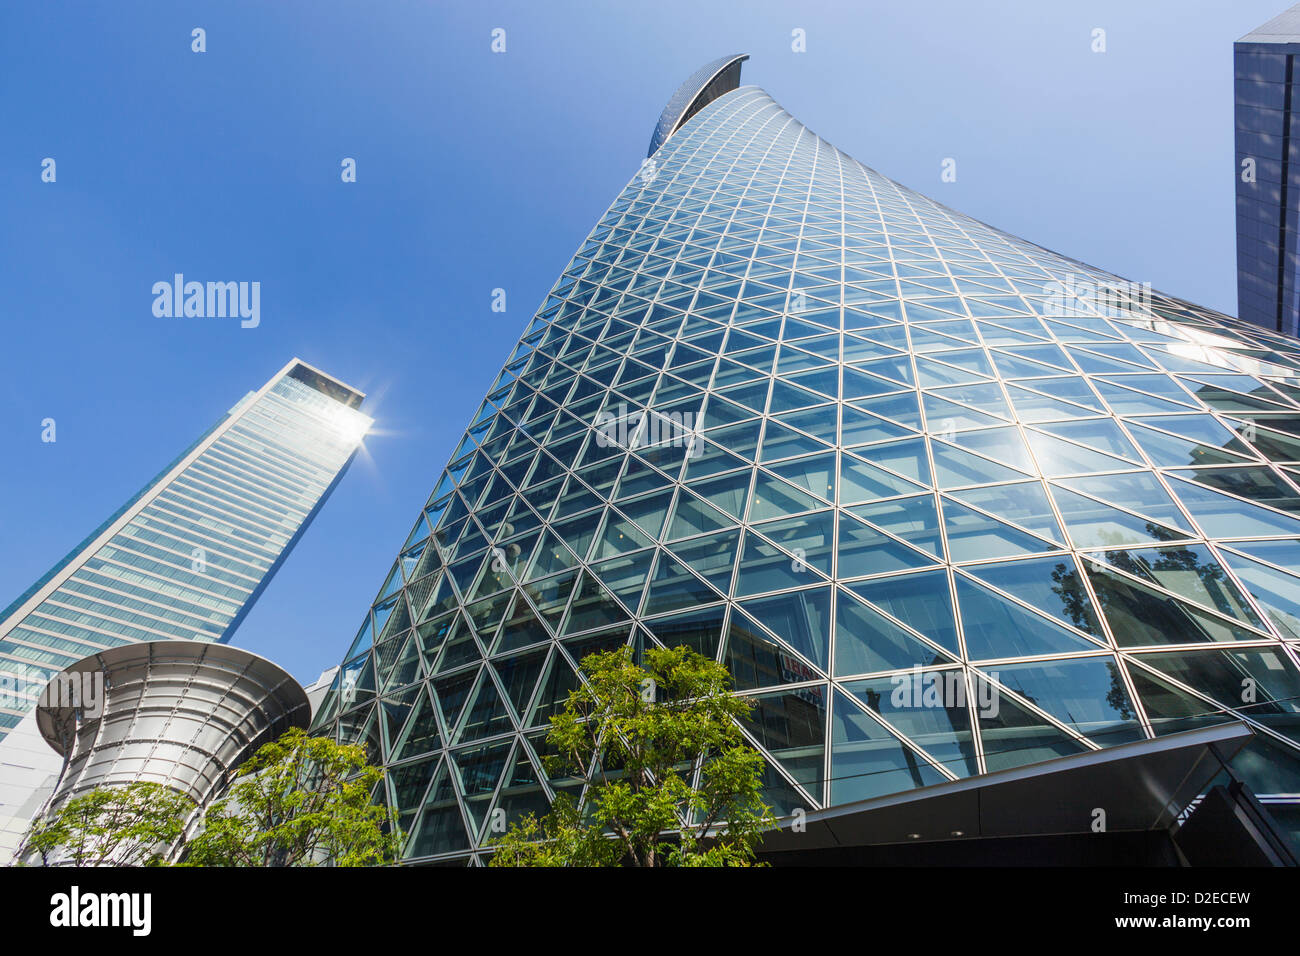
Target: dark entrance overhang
1140,786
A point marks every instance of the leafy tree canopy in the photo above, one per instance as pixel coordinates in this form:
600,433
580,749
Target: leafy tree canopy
299,801
669,778
135,825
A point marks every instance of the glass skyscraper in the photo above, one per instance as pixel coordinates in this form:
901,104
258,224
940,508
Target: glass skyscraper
1268,178
846,440
183,559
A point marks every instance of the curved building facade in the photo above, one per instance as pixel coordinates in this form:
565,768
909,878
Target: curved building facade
944,502
183,714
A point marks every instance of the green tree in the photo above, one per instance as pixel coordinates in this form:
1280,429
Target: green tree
637,736
133,825
299,801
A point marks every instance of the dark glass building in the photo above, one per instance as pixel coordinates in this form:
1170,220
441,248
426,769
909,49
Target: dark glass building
1268,177
948,505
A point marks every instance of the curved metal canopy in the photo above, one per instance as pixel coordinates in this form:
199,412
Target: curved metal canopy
242,681
700,89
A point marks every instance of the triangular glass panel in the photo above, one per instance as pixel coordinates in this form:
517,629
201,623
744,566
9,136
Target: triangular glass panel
618,535
486,715
869,761
699,630
1140,615
1059,457
859,428
907,458
1052,584
440,828
1189,571
392,712
1086,693
728,493
551,595
1130,401
592,606
914,520
930,709
902,408
1013,735
815,473
407,784
521,794
712,557
1172,710
921,601
1221,515
954,467
995,627
862,481
865,551
1172,451
551,557
756,660
1024,503
693,516
600,642
764,567
391,585
1092,524
451,693
973,535
625,576
553,690
420,734
1277,592
648,511
867,642
774,498
519,674
674,587
478,771
800,618
781,442
782,796
520,629
1032,406
1259,681
807,539
944,416
791,727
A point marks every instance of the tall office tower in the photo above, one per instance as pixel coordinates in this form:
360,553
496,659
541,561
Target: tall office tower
183,560
1268,174
945,503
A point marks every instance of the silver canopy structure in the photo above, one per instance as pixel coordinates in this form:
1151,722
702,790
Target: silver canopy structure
183,714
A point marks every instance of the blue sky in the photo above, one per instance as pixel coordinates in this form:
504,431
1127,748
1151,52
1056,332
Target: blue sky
479,171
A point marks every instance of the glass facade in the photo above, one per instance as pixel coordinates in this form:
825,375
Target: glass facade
1268,176
186,558
943,501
